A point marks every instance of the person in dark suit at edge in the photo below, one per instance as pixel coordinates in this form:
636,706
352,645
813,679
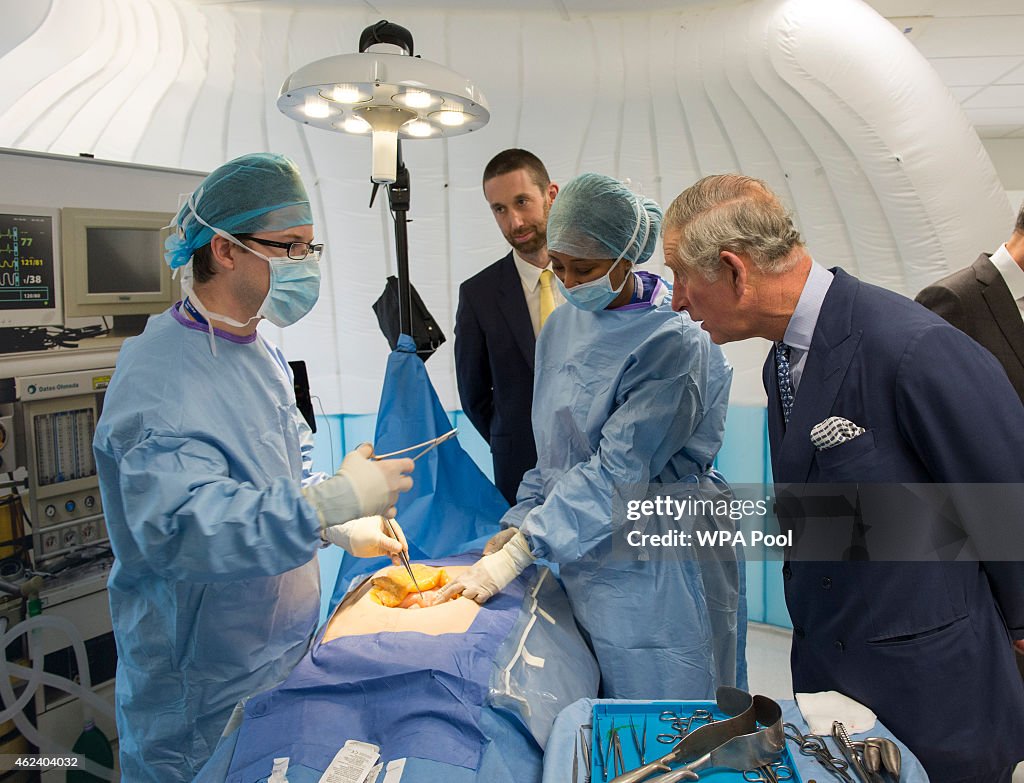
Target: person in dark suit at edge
986,301
926,645
501,311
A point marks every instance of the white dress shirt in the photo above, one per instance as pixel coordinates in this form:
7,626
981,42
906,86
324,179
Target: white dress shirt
529,275
1012,274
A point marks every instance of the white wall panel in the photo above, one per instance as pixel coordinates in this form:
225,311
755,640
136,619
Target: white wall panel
826,101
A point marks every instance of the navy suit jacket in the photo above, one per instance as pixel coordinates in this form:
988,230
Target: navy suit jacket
494,354
926,645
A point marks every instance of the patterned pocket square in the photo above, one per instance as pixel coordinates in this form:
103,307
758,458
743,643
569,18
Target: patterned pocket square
833,432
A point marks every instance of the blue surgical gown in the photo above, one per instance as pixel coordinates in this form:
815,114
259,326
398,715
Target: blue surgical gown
630,400
214,591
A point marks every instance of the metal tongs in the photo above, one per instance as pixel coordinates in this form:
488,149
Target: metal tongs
425,446
404,557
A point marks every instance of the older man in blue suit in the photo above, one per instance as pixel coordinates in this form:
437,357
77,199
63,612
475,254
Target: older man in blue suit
866,389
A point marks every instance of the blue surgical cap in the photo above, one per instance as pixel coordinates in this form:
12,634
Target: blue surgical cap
257,192
595,216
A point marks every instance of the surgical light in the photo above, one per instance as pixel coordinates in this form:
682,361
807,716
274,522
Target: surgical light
356,125
316,107
348,93
418,129
395,94
451,117
415,99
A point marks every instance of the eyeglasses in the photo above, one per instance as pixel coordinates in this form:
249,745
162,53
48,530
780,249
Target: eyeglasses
297,251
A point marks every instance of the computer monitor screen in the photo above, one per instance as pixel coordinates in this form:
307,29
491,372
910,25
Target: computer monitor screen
130,257
114,263
29,267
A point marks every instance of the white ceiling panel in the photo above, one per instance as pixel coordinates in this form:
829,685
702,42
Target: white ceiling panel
981,36
998,131
1016,76
953,8
1010,116
998,97
961,71
946,8
963,94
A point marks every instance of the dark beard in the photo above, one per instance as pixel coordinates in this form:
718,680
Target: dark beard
532,245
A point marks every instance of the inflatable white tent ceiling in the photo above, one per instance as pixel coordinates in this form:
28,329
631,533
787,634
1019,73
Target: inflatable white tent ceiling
827,101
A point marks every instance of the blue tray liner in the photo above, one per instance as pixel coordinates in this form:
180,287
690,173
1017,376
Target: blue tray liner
603,715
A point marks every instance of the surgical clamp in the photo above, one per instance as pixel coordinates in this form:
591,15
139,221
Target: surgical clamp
426,446
681,726
585,748
620,764
811,745
768,773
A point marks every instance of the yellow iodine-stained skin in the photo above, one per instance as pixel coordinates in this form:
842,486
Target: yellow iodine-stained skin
393,586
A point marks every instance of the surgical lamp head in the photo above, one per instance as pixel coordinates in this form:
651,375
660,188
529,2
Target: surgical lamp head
385,94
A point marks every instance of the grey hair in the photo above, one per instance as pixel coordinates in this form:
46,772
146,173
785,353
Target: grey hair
1020,220
735,213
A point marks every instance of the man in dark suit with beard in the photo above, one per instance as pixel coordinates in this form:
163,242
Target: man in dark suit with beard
501,311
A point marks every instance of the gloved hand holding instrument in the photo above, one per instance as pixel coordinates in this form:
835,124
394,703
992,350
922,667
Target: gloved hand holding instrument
351,499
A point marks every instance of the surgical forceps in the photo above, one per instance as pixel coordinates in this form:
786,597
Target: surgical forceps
403,556
811,745
681,726
641,747
425,446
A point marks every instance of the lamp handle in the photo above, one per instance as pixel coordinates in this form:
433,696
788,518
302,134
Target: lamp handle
386,32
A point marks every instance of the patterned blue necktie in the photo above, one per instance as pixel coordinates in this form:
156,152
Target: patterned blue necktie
785,380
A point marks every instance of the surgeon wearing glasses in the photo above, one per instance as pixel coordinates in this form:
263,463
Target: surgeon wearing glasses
213,510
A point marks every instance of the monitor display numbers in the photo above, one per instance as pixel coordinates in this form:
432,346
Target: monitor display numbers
26,262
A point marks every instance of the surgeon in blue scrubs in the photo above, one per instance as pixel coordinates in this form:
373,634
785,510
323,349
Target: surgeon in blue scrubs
629,397
204,465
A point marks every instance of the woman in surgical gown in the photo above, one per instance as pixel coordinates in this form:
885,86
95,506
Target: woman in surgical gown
629,397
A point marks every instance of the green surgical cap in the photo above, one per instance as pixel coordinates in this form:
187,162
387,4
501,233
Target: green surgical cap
595,216
257,192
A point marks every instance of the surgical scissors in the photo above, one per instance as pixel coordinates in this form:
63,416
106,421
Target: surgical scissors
426,446
812,745
681,726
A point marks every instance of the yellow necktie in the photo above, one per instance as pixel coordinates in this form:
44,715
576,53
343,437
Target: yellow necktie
547,296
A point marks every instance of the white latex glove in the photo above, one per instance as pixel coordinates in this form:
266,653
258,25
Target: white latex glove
499,539
375,484
491,574
368,537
